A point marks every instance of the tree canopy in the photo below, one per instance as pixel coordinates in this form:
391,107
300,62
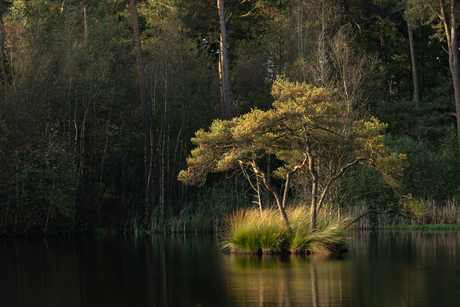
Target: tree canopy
307,130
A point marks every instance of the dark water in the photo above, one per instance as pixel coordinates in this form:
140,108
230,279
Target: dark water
380,269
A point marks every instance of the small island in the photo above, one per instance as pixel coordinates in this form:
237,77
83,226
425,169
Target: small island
310,132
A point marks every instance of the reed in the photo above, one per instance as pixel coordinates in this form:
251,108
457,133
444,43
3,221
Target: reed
202,213
435,215
447,212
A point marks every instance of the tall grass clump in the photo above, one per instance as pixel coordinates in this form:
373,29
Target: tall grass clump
253,231
329,236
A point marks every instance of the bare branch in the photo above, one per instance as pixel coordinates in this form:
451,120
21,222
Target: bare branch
288,177
383,212
340,173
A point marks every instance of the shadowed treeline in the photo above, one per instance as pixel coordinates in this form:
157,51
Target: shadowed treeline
72,139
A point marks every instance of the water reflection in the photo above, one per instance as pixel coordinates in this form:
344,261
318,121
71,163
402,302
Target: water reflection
286,280
380,269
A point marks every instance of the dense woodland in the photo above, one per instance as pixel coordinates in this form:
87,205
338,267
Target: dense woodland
82,147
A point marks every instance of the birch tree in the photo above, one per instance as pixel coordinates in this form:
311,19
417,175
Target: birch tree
4,5
145,110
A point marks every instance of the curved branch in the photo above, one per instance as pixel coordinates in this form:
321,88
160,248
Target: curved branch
288,177
328,185
256,170
383,212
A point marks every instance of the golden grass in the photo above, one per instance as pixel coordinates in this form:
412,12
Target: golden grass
252,231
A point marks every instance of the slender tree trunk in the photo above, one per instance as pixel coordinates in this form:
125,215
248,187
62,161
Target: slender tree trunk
288,180
225,65
323,43
300,27
2,51
331,181
414,72
414,65
81,182
145,111
422,65
300,35
279,203
314,189
450,26
221,78
85,21
163,147
286,189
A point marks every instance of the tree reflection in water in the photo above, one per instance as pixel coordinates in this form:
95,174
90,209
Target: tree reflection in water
285,280
314,287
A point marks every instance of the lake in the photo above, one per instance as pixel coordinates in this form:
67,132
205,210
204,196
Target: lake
380,269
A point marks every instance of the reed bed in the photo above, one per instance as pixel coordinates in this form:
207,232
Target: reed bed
187,220
254,231
203,213
447,213
435,215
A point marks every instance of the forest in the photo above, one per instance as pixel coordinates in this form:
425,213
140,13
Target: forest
100,101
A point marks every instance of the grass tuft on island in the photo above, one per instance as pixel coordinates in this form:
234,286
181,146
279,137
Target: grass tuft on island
250,231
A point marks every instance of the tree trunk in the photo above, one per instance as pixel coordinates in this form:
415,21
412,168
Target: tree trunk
2,51
225,65
265,177
288,179
300,35
331,181
414,71
314,189
450,27
221,78
165,131
85,21
414,64
145,111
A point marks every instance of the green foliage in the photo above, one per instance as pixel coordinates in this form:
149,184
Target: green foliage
427,122
432,171
304,118
411,206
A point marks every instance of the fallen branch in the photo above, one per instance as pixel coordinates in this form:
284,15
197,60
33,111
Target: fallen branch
383,212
